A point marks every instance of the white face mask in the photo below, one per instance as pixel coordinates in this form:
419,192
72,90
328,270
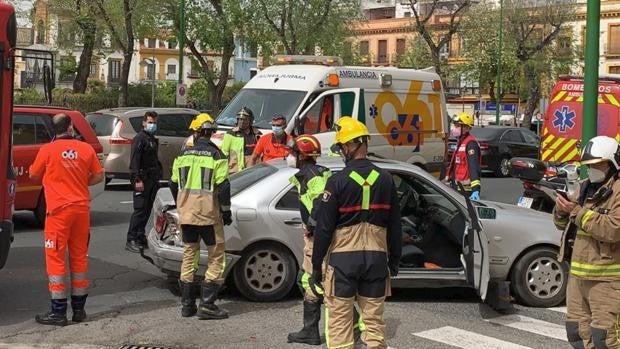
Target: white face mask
291,161
596,175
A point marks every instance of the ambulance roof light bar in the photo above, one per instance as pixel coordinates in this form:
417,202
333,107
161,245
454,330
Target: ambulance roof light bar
307,59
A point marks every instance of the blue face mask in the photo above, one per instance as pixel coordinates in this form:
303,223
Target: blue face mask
278,130
150,128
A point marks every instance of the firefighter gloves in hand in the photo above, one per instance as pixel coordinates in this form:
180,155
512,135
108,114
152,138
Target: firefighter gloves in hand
227,217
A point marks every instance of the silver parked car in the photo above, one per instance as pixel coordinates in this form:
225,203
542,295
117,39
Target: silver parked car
117,127
447,241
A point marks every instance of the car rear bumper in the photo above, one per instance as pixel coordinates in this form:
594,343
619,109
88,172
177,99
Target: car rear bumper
6,238
168,258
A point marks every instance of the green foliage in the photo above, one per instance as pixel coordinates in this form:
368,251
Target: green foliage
67,66
418,55
28,96
231,91
95,86
198,92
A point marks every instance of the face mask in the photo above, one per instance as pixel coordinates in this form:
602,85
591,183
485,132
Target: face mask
455,131
150,128
291,161
596,175
278,130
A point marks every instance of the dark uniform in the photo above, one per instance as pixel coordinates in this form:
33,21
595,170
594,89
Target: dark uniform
358,233
144,166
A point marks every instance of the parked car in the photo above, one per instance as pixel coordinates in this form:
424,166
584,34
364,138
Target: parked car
499,144
516,245
32,128
117,127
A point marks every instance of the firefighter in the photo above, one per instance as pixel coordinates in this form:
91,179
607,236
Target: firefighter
67,167
145,171
199,183
591,241
194,127
239,143
358,234
464,166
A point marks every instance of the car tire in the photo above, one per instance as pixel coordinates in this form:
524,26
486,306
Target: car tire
39,211
254,272
503,167
538,279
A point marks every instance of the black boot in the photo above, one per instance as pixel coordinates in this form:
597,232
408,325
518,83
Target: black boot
208,309
188,299
77,306
310,333
57,316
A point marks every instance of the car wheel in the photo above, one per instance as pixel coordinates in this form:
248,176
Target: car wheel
39,211
266,272
503,168
538,279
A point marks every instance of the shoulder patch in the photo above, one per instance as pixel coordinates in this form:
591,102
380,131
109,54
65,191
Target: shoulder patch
471,152
326,196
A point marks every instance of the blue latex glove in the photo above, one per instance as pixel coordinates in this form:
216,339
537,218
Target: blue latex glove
475,196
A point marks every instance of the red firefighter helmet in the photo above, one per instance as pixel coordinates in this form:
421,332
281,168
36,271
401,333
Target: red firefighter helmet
307,146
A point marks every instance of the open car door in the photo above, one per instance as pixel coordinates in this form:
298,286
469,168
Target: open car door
320,116
476,251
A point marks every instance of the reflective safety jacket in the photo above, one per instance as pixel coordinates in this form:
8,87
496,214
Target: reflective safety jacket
201,174
310,183
239,146
465,163
358,220
593,229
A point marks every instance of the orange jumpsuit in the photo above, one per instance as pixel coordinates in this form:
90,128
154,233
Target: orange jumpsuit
66,166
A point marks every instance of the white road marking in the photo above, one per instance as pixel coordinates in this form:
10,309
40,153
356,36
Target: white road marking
558,309
531,325
127,202
466,339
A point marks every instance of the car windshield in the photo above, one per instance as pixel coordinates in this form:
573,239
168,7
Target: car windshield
265,104
248,177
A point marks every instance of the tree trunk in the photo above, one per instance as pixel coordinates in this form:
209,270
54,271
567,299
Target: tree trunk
532,101
492,91
127,55
218,91
83,70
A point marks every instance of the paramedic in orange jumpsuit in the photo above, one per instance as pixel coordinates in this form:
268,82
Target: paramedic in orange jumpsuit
67,166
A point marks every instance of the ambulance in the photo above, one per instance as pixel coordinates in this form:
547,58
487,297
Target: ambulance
563,120
404,109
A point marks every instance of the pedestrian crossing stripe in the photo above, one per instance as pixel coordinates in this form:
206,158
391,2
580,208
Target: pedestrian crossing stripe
558,309
466,339
531,325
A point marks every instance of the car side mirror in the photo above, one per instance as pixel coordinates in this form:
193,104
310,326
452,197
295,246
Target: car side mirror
486,212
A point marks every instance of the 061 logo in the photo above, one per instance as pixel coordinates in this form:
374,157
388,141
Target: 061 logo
69,154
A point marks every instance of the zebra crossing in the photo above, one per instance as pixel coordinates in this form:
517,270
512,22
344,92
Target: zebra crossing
453,336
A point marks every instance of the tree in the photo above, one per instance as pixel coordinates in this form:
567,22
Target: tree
126,20
438,34
417,56
84,15
211,26
534,30
302,26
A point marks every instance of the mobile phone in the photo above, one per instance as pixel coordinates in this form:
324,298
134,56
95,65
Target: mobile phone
562,193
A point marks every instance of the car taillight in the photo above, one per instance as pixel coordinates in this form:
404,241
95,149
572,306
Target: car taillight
528,185
160,224
484,146
116,137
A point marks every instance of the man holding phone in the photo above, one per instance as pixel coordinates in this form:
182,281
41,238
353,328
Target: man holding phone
591,241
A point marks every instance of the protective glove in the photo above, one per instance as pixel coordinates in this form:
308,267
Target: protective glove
316,282
475,196
227,217
393,267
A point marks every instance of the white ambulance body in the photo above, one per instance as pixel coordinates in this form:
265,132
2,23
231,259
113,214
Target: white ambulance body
404,109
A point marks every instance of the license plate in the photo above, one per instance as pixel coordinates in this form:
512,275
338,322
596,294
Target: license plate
525,202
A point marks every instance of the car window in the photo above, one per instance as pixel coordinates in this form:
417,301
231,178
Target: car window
512,136
290,200
320,118
168,125
31,129
530,137
102,124
248,177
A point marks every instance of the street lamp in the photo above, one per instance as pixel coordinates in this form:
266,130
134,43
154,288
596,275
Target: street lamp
499,63
145,63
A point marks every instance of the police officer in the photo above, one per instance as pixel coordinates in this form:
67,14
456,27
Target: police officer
200,186
464,166
239,143
591,241
358,234
145,171
67,167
